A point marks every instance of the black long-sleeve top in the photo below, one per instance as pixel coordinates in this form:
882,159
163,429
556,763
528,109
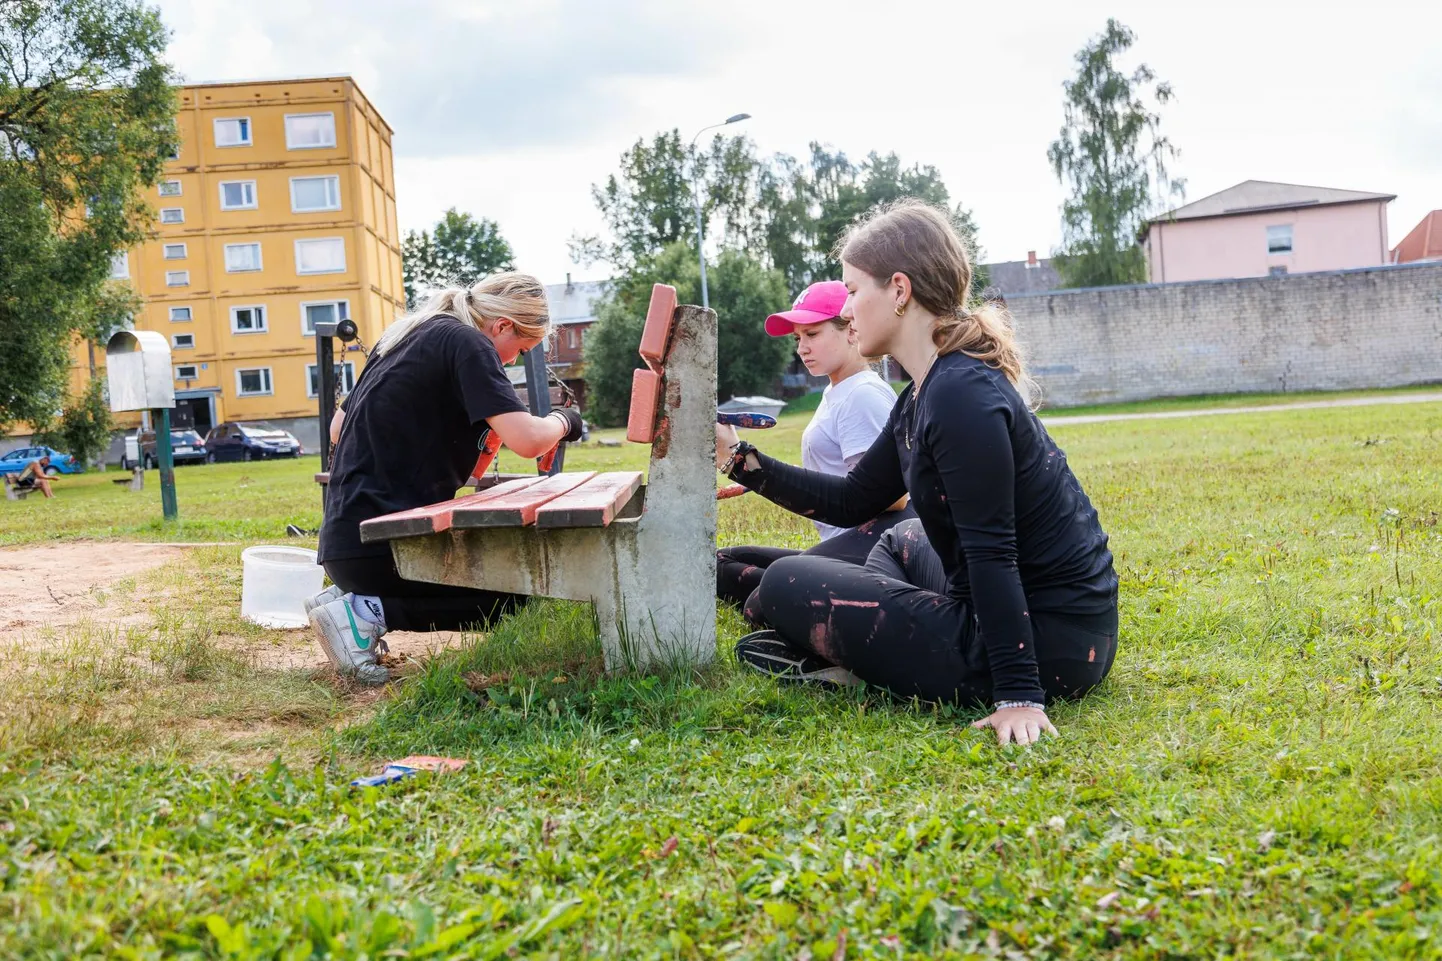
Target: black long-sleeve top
1012,525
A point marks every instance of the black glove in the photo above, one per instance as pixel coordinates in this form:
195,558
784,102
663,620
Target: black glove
572,417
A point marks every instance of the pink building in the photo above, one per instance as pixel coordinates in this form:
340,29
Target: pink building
1258,228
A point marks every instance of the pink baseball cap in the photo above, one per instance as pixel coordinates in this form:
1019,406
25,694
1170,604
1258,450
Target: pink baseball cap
820,302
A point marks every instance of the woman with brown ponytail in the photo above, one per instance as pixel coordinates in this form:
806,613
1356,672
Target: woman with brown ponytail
1029,613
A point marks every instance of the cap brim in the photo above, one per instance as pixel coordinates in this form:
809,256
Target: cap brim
786,322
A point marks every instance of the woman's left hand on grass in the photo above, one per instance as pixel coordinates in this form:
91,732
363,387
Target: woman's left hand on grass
1021,724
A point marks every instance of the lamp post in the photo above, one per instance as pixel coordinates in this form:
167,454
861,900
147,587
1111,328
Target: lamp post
696,199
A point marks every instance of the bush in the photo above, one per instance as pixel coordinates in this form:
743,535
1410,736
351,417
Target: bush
84,428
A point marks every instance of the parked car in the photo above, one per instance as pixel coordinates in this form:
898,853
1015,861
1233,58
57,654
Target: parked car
249,441
186,446
15,461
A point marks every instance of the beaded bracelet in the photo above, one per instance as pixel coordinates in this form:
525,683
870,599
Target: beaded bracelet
1003,705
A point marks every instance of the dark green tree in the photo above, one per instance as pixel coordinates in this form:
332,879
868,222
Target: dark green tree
87,118
1113,157
743,292
83,430
460,250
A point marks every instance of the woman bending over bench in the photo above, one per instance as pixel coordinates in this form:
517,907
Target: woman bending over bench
1030,609
852,412
415,423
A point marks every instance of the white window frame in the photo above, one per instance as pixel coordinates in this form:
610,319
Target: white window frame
310,146
254,195
182,320
305,329
172,215
177,278
165,251
175,342
193,368
120,265
249,132
259,258
1276,230
315,240
268,378
311,370
178,192
263,315
297,209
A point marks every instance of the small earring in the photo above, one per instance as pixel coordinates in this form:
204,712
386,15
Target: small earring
901,308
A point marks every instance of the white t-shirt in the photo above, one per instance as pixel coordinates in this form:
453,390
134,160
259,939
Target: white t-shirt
851,415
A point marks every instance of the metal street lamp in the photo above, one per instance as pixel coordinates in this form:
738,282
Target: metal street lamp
696,200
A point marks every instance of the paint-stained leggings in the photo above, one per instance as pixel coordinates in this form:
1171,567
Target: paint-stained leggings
739,569
914,642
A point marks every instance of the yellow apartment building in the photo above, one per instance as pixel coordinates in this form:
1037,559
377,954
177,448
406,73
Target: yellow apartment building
279,211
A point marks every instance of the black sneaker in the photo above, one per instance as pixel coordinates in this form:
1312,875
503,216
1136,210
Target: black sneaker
766,652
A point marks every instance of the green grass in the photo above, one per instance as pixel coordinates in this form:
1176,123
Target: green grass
1260,776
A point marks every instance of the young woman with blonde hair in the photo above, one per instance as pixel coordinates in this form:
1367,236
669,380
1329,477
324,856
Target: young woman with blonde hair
1029,613
435,386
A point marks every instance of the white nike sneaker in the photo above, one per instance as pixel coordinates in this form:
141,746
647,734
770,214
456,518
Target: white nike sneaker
352,643
324,597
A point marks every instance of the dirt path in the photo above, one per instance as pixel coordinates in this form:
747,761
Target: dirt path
1063,420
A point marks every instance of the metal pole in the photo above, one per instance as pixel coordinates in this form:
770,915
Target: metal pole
700,242
538,392
325,385
167,465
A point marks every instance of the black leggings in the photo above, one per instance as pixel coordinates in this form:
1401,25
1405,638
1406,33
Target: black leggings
739,569
416,605
914,641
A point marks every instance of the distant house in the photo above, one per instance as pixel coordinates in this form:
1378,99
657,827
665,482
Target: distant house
1030,276
1259,227
573,311
1423,243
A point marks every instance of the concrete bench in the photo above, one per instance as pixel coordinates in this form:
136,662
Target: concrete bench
14,493
643,553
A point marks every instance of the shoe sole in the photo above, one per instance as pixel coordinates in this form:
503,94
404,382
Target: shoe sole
781,663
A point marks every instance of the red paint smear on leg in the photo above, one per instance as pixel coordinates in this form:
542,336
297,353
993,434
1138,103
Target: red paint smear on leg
1091,655
841,603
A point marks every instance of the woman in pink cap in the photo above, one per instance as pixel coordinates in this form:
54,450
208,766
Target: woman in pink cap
854,408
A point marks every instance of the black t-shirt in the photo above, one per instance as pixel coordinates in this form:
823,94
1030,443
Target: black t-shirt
1008,518
413,429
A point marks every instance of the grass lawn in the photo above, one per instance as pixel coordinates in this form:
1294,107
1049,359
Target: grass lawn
1261,776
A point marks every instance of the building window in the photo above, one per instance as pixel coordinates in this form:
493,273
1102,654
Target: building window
179,314
119,266
325,255
237,195
252,381
170,188
247,320
174,153
172,215
314,193
322,312
240,258
174,251
182,341
1279,239
345,372
187,372
232,132
177,278
1277,271
306,131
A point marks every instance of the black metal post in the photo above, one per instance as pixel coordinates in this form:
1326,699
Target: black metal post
325,385
538,391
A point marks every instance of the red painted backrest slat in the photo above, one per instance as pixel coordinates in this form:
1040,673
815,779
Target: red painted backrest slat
645,405
660,318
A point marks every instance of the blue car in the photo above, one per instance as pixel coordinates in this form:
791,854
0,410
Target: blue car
15,461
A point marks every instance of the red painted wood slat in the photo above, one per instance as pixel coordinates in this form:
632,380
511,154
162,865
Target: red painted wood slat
645,403
593,504
660,317
433,518
518,508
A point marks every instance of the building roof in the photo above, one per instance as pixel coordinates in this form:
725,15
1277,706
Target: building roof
1015,277
1423,243
574,303
1255,196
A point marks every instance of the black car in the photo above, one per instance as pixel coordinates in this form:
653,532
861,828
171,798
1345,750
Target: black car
187,447
238,440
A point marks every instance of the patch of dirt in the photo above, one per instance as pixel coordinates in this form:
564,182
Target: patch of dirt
298,650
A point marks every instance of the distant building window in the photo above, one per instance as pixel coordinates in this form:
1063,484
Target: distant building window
237,195
329,311
187,372
307,131
182,341
247,320
119,266
177,278
251,381
172,215
1279,239
174,154
344,372
240,258
174,251
179,314
314,193
232,132
170,188
324,255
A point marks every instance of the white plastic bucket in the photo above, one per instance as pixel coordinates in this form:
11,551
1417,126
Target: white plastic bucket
275,581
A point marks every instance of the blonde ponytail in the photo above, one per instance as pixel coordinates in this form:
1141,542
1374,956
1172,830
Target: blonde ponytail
518,297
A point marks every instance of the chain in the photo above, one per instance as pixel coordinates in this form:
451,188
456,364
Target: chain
360,345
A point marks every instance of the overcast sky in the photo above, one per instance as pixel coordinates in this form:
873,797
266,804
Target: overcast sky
512,110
